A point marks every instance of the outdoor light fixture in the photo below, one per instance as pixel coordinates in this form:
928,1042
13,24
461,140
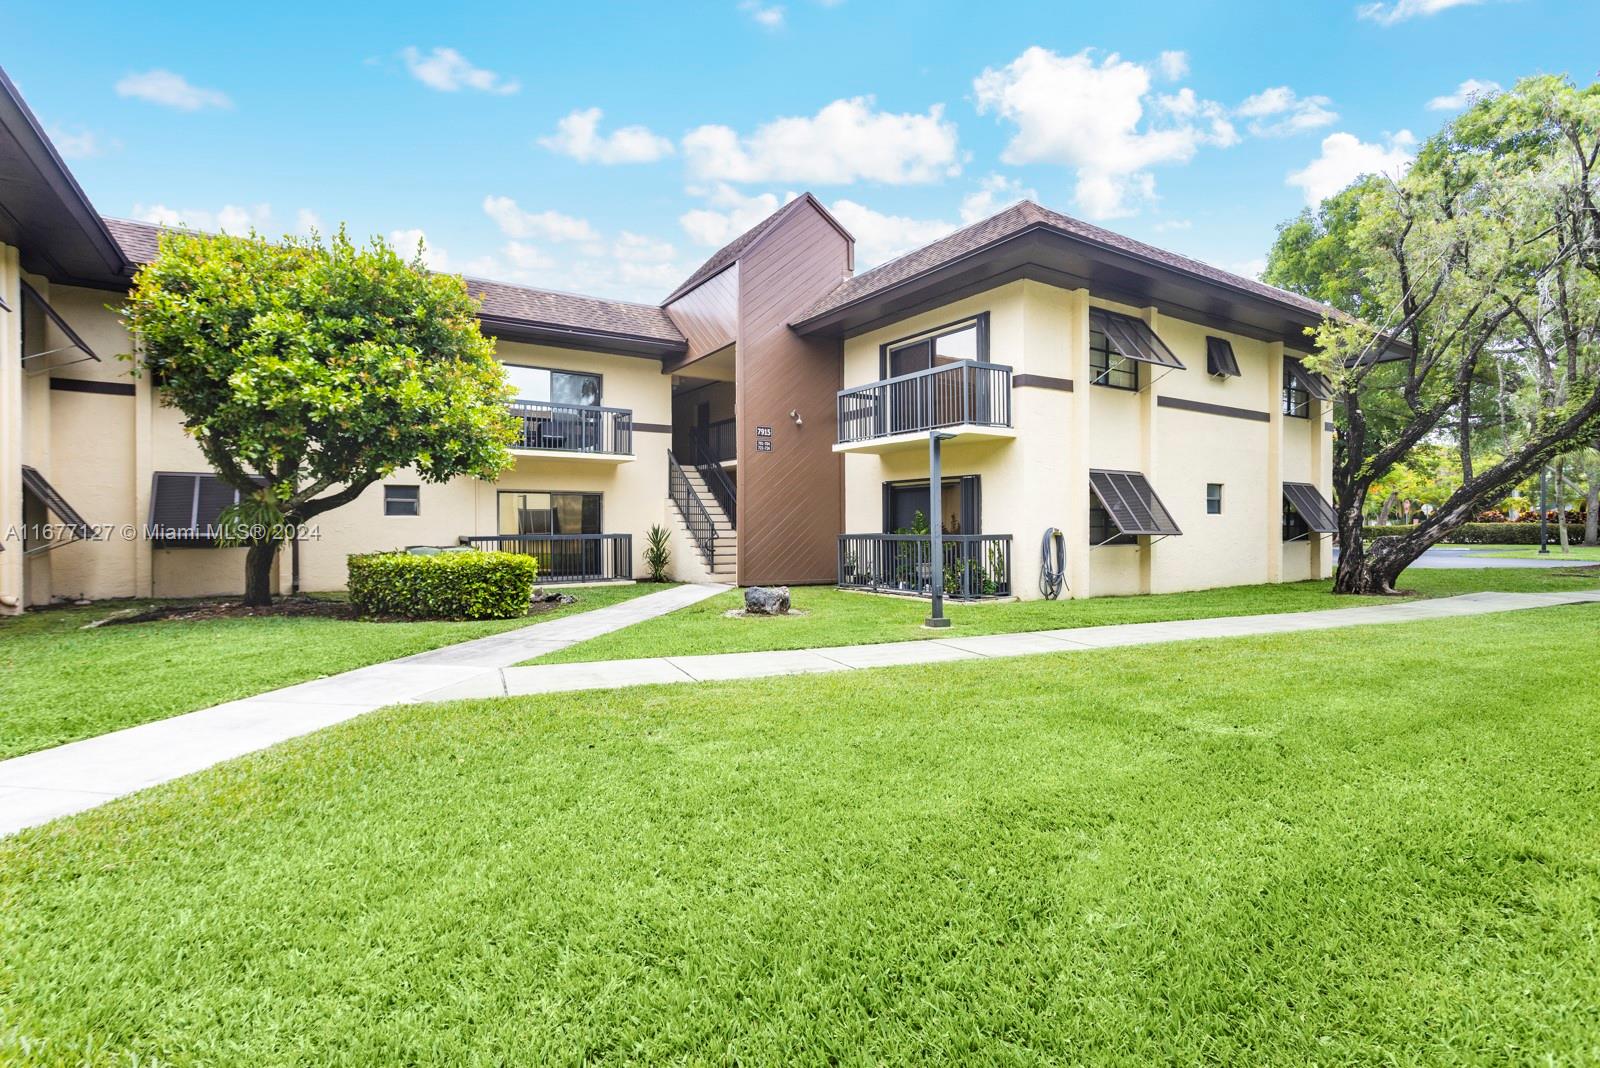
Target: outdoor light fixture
794,413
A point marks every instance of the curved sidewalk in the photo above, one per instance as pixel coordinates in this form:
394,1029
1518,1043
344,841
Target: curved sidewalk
56,782
41,786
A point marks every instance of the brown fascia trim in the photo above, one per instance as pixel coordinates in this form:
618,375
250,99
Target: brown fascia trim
573,337
47,162
653,428
804,325
1206,408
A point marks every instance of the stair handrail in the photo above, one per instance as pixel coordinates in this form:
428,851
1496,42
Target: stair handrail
702,528
721,487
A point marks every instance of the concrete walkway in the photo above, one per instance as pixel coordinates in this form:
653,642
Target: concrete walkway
558,678
56,782
70,778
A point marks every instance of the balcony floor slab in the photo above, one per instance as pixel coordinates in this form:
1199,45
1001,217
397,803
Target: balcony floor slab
960,434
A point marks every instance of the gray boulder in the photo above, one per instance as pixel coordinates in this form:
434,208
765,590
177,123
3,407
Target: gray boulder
766,600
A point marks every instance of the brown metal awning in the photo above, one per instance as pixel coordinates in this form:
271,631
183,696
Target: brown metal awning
186,509
31,296
1131,503
1133,338
1312,506
1220,359
39,487
1313,383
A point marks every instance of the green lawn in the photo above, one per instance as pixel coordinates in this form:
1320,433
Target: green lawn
836,617
59,683
1367,846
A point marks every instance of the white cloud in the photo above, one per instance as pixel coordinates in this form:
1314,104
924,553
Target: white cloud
307,222
731,213
228,219
171,90
1279,112
1467,92
1168,225
844,142
1251,268
1345,158
548,225
1174,65
578,135
84,144
1091,116
405,243
995,193
449,71
1401,10
767,16
881,237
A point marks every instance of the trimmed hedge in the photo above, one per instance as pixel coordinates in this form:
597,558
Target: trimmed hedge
468,585
1476,533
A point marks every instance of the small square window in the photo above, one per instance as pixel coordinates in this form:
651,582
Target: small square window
1213,498
402,500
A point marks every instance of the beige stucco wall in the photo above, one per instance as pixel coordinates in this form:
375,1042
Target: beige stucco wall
101,451
1039,479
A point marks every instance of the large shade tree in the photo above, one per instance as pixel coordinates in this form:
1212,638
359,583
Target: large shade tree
1482,261
307,371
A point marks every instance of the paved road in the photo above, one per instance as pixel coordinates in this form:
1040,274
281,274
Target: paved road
1453,557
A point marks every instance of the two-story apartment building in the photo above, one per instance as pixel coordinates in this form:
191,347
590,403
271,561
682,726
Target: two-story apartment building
774,412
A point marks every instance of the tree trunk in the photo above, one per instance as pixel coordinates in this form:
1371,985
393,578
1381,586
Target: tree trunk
1591,519
1387,510
1561,504
258,575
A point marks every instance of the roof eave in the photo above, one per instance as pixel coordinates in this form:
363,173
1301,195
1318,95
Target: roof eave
590,340
929,279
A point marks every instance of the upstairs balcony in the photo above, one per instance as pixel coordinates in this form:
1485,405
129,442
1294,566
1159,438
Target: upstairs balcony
966,398
574,431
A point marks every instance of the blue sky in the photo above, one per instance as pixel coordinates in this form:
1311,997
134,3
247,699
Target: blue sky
608,149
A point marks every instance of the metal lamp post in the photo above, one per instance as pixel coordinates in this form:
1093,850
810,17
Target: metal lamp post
936,530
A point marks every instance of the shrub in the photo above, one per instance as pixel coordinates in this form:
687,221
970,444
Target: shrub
472,585
1475,533
658,552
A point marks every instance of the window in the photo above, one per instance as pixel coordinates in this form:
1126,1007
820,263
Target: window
1109,367
959,506
1296,400
964,340
1213,498
549,513
402,500
186,509
1102,531
1220,360
1131,503
1294,528
539,385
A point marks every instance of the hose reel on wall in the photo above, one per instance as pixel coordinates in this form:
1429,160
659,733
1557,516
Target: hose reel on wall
1052,563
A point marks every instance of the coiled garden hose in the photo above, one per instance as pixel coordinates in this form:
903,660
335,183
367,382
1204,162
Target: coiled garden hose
1052,563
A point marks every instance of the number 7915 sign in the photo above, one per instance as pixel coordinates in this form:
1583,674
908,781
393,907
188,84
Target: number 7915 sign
763,439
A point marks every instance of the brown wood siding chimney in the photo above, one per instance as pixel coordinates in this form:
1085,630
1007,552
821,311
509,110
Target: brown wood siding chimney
791,500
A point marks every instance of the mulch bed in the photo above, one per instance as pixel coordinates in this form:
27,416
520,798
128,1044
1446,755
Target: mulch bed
286,607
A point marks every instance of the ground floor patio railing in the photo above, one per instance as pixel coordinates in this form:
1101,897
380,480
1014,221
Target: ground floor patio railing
567,557
975,566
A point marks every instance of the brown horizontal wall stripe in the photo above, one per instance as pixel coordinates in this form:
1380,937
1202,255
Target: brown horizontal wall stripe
653,428
1212,409
89,385
1041,382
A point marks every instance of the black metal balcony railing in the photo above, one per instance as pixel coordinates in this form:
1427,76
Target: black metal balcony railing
720,440
975,565
953,394
573,427
567,557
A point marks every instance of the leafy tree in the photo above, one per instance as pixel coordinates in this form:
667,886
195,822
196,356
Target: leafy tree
1475,273
308,371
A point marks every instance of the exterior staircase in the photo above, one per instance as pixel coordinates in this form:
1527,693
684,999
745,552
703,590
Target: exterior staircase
703,524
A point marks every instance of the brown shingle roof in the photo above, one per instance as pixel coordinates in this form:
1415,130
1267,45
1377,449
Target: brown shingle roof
501,300
1023,216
